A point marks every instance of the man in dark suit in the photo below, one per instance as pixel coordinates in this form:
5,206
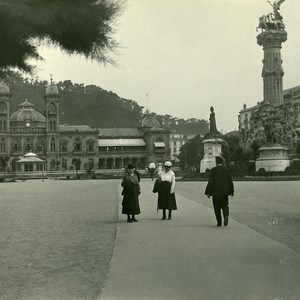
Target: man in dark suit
220,186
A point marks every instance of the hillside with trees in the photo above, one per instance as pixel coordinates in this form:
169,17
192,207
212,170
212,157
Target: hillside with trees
91,105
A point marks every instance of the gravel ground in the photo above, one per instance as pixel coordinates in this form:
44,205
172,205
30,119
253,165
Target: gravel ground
56,239
270,208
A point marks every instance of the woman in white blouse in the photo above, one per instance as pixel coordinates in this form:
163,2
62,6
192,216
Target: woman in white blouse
166,191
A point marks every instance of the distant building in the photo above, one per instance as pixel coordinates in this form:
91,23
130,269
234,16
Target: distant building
57,145
140,146
177,140
290,96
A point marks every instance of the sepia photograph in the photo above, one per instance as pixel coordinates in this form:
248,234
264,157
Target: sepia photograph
149,150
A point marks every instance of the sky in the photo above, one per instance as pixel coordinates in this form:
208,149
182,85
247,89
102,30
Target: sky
187,56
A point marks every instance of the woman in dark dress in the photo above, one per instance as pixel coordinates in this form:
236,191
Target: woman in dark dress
130,193
166,191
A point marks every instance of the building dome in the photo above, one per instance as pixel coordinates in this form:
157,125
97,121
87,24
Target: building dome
27,112
52,90
4,89
150,121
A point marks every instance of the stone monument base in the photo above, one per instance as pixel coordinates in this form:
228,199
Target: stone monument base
272,158
212,148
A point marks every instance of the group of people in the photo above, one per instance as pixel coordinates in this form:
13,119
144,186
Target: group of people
164,186
219,186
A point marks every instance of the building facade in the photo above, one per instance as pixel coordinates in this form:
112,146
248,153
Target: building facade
291,97
177,140
59,146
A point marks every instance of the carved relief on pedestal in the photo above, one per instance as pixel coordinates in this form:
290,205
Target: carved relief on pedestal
272,125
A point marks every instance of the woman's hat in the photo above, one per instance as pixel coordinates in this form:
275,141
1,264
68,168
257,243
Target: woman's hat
167,164
130,166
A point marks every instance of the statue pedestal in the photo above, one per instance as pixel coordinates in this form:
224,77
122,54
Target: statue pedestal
272,158
212,148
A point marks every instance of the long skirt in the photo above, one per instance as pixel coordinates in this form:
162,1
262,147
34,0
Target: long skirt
130,204
166,200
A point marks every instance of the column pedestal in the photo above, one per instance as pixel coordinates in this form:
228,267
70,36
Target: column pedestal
212,148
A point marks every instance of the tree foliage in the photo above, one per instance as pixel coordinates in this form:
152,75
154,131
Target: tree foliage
91,105
3,164
191,153
76,26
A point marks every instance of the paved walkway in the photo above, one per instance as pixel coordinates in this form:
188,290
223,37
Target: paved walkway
189,257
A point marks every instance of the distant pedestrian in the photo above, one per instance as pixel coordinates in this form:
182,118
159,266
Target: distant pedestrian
131,192
138,174
220,186
166,191
152,169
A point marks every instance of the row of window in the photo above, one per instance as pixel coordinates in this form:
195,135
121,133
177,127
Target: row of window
178,143
28,145
122,148
3,126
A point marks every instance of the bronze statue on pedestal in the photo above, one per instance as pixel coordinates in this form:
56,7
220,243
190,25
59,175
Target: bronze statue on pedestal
213,132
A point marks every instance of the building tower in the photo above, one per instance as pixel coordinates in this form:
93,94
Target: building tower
157,139
4,107
271,38
52,123
4,118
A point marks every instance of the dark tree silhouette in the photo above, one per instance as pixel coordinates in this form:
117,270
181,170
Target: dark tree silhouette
76,26
3,164
77,164
191,153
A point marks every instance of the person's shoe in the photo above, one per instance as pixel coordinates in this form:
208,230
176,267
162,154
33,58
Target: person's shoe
169,217
129,220
219,224
226,220
163,218
134,220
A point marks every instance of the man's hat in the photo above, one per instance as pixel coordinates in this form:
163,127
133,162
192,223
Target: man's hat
130,166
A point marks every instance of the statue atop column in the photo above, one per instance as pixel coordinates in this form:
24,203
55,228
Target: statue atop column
272,21
276,7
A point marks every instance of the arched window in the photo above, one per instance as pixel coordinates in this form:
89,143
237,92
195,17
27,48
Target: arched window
77,144
64,145
52,107
15,146
64,164
2,125
3,107
90,145
28,145
52,144
39,145
52,125
2,145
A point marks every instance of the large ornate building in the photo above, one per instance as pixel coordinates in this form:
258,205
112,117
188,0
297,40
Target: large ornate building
26,130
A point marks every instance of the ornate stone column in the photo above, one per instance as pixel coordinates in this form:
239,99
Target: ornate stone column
272,72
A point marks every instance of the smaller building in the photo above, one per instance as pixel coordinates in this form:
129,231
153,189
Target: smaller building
245,115
30,163
121,146
177,140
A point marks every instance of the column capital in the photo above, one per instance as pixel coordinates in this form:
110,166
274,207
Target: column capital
271,38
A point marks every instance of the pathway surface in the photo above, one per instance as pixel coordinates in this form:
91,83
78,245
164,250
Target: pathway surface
189,257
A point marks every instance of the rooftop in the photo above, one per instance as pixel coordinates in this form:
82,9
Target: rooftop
119,132
75,128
